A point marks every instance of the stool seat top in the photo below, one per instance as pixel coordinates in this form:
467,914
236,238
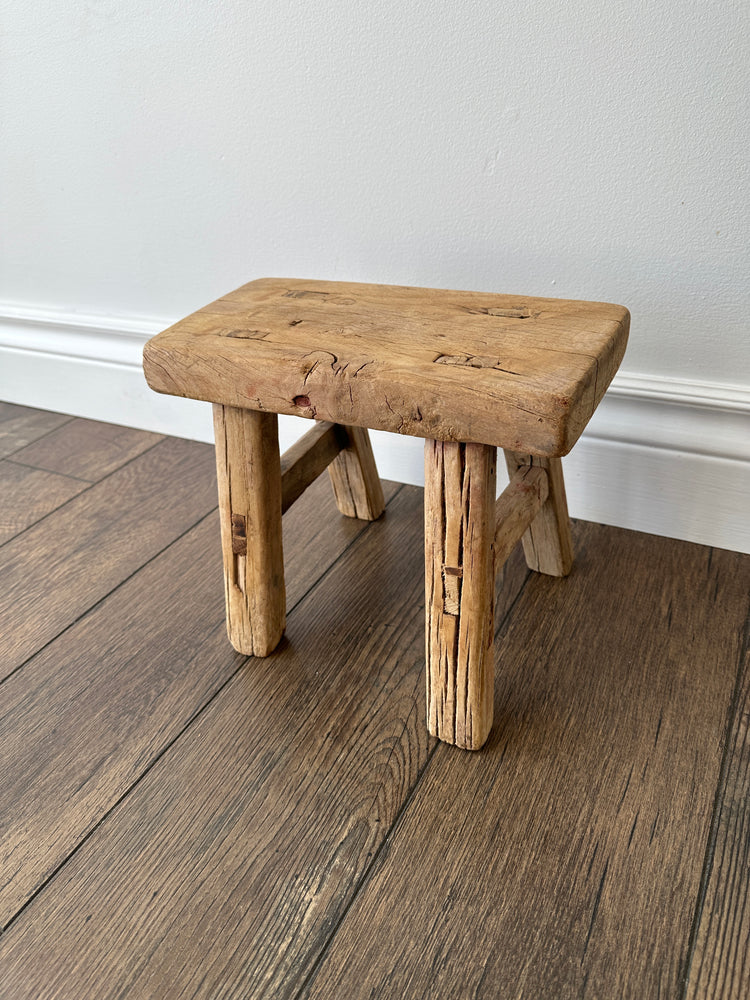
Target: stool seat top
521,373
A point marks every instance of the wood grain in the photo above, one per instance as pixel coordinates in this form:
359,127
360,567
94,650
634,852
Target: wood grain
306,459
719,966
459,508
19,425
249,480
522,373
565,859
86,449
516,508
354,477
246,841
290,835
548,543
88,715
60,567
26,495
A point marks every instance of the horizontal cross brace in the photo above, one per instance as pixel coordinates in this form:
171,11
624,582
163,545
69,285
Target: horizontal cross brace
516,508
307,458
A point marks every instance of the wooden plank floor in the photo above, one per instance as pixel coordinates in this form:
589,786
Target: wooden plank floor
177,820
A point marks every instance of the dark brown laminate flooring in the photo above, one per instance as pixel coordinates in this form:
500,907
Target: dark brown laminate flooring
177,820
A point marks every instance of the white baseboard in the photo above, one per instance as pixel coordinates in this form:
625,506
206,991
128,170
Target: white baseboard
665,456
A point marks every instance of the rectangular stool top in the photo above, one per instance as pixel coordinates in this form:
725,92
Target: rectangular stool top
524,374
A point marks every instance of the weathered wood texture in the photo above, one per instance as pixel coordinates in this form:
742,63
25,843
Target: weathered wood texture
459,508
308,458
719,966
249,478
226,868
522,373
86,449
354,477
27,494
548,544
59,568
565,859
19,425
87,716
516,508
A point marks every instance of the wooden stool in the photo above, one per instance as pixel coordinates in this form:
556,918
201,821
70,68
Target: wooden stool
467,371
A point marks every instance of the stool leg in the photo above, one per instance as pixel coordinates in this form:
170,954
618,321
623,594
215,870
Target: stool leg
249,474
460,583
354,477
547,543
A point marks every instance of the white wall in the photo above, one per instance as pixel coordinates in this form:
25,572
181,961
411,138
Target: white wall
156,155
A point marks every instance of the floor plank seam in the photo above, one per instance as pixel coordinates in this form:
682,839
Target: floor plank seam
511,607
104,597
708,860
196,715
68,475
288,842
41,436
83,493
310,977
364,880
122,798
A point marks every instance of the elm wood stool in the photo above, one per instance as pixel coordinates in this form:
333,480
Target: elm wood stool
467,371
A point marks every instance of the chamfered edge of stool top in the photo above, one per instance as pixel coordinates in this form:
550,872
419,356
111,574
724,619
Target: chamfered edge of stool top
522,373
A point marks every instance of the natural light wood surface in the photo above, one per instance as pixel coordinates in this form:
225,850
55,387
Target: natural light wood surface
256,486
468,371
516,508
460,520
248,471
354,477
547,543
307,458
520,372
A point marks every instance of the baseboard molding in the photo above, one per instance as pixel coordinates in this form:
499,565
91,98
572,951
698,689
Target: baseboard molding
666,456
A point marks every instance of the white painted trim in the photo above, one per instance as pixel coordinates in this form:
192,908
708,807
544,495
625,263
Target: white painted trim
113,339
689,392
665,455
